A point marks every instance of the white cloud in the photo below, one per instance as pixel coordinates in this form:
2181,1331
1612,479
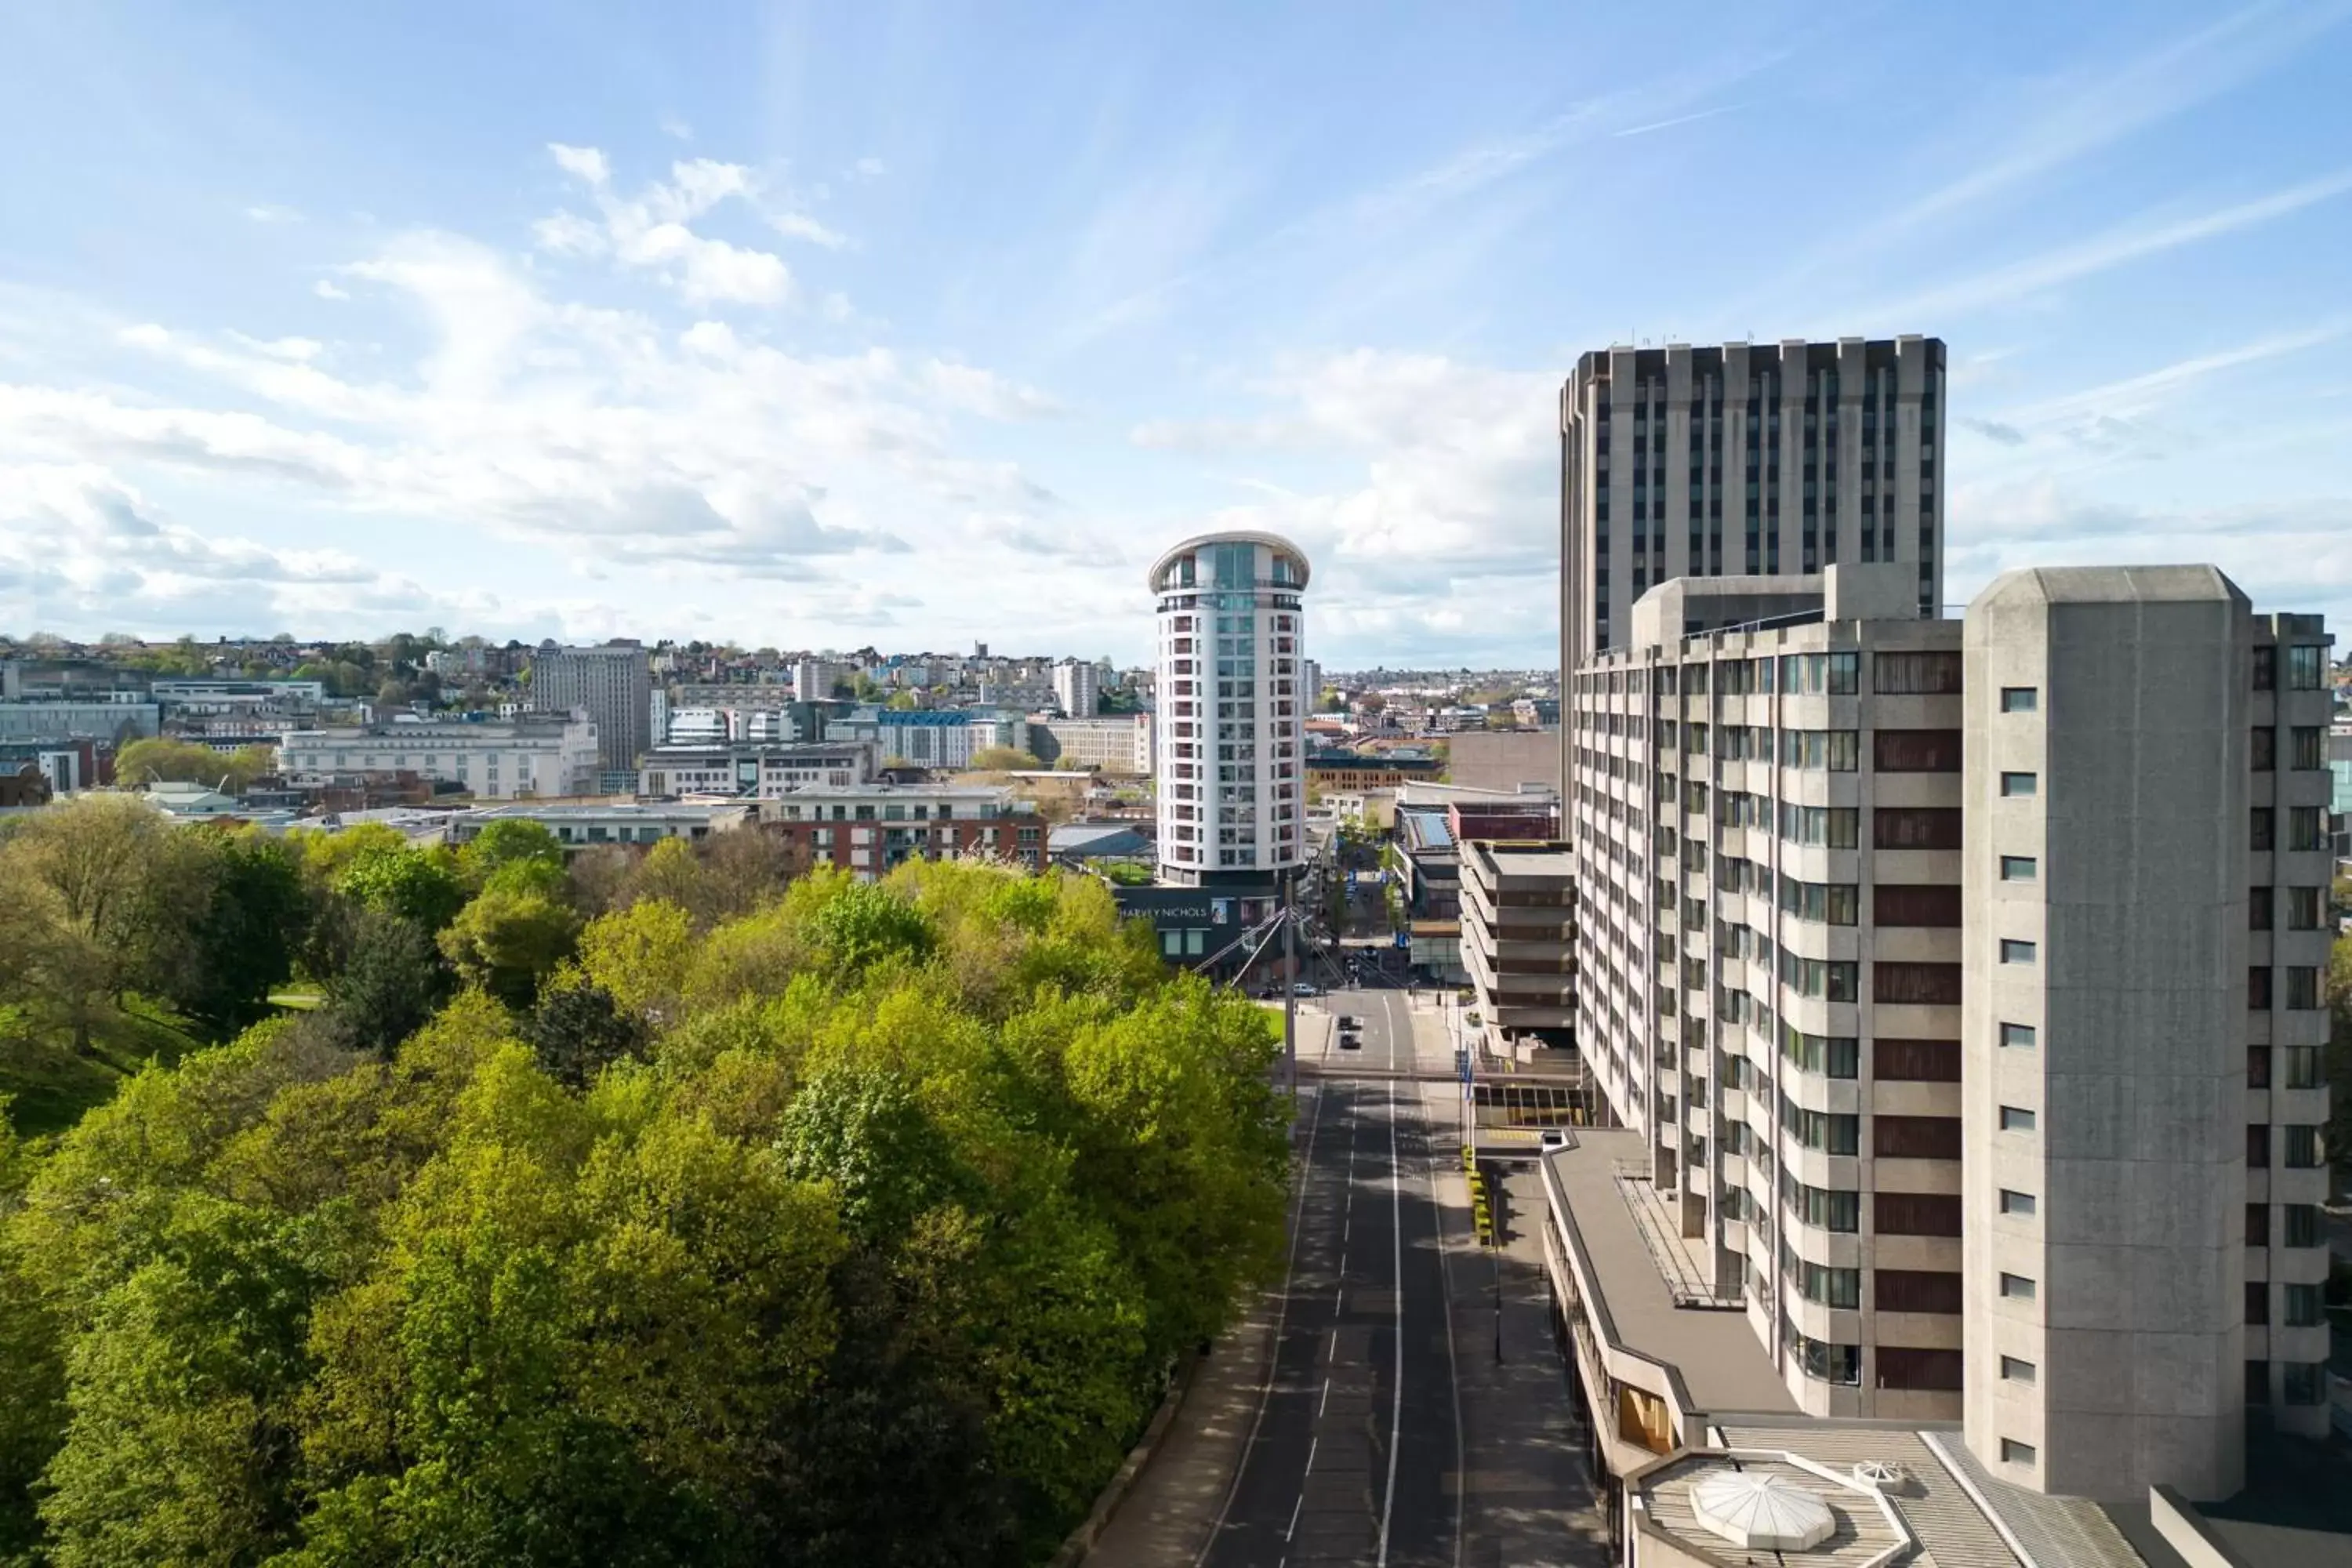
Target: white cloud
673,126
653,231
327,290
265,212
985,393
866,168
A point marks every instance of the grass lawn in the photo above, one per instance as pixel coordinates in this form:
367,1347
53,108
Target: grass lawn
52,1084
303,998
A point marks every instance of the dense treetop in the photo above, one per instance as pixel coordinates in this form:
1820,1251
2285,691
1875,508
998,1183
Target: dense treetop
678,1209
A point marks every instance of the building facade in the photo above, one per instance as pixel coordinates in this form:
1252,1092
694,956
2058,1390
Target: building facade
622,822
1765,458
612,686
1768,972
1233,785
2143,1029
1076,688
494,760
1519,936
1118,742
752,770
869,829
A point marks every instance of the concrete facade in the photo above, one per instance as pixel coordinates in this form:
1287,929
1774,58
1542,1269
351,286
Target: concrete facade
1519,934
1767,831
1765,458
2145,874
493,760
611,686
1232,786
1505,759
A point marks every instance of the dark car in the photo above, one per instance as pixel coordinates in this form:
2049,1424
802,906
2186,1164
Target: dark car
1349,1042
1350,1021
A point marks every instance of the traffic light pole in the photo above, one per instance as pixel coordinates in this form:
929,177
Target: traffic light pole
1290,984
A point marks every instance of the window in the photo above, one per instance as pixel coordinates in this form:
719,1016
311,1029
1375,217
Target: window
1917,1291
2302,827
1916,904
2015,1371
1825,1363
1921,984
2303,907
2021,1036
2258,1145
2302,1225
1830,1057
2021,699
1830,1132
1820,1284
1914,1137
2258,1066
2016,1202
2304,1382
2258,1302
1916,674
2302,989
2302,1148
1911,1366
2016,1119
2258,990
2012,951
2263,755
2017,1288
2304,748
1915,1214
1833,903
2264,834
1823,1208
1916,1061
2013,1452
2266,668
2307,667
1917,750
2020,787
1916,827
2017,869
2258,1224
2302,1307
2258,909
2258,1373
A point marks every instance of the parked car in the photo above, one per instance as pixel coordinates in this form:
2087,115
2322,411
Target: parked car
1351,1042
1306,988
1350,1021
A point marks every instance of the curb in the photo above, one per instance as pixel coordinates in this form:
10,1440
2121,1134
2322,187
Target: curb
1080,1542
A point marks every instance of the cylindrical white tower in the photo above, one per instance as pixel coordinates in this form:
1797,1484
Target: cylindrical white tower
1231,763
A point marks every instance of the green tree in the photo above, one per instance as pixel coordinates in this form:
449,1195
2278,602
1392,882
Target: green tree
163,758
420,886
242,945
1003,760
864,923
507,941
506,842
577,1030
388,984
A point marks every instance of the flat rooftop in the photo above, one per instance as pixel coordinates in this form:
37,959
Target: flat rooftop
1528,861
1724,1367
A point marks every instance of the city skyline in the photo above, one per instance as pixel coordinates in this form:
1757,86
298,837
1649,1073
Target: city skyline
829,333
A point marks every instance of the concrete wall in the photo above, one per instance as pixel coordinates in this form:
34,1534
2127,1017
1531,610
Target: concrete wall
2136,993
1503,759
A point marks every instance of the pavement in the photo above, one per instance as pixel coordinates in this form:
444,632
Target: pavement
1359,1414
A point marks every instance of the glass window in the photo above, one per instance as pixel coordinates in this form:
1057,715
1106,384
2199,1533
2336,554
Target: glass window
2304,907
2307,666
2016,1119
2013,1452
2017,1288
2015,1371
2302,1151
2258,909
2017,869
2303,747
2015,951
2303,1310
2265,832
2016,1202
2303,828
2303,988
2021,699
2265,669
2018,787
2018,1034
2302,1225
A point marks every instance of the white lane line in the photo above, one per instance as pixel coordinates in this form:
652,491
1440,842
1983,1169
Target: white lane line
1294,1516
1311,1443
1274,1354
1396,1411
1325,1402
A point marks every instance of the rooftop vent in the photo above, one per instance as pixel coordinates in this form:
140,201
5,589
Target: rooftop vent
1880,1474
1761,1512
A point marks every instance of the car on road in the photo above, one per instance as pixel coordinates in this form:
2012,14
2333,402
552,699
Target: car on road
1350,1021
1306,988
1351,1042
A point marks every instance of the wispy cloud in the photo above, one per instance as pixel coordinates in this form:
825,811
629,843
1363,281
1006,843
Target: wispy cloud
2092,110
1670,124
2138,393
267,212
2103,253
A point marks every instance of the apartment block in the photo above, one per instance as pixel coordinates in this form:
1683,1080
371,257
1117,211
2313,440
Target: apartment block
1519,936
611,686
753,768
1766,793
1745,459
2146,875
495,760
868,829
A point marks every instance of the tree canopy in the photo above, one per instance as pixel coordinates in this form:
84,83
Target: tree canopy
829,1222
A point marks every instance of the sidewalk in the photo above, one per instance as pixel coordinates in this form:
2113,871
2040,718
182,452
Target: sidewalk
1527,1499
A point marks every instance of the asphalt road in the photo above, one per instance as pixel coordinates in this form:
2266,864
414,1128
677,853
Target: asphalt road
1360,1426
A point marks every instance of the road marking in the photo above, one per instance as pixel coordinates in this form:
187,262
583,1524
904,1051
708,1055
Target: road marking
1325,1402
1274,1354
1452,1371
1311,1445
1293,1517
1396,1410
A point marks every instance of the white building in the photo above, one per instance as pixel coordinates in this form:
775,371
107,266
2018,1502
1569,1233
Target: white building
497,760
1076,688
765,772
1233,782
620,822
1120,743
813,678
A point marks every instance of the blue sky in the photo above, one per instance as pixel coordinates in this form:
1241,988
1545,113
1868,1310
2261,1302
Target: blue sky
916,325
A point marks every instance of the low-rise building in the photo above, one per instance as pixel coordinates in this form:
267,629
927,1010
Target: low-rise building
494,760
753,770
1117,743
580,826
868,829
1348,772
